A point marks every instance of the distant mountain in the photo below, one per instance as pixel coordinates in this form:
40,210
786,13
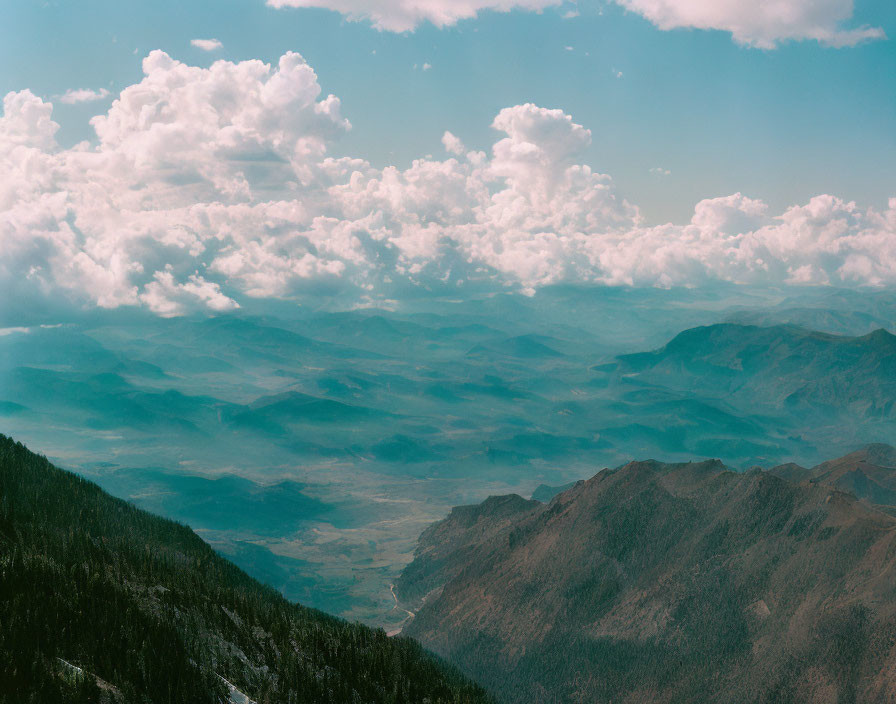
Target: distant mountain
253,340
64,348
522,347
545,493
830,310
294,406
103,602
665,583
782,366
835,311
220,503
869,474
855,323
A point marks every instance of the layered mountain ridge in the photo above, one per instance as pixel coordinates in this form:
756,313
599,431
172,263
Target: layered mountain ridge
229,422
666,583
868,474
777,366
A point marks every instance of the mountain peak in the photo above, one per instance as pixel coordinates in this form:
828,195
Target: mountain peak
881,335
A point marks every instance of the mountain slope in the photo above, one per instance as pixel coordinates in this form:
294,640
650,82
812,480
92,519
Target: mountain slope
869,474
665,583
90,584
776,367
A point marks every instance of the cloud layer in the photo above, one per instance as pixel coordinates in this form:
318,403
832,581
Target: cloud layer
210,187
75,96
206,44
760,24
757,24
406,15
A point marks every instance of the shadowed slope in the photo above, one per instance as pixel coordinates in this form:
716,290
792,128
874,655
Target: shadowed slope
90,584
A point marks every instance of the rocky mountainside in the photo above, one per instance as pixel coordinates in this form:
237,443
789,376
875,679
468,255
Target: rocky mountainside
103,602
869,474
665,583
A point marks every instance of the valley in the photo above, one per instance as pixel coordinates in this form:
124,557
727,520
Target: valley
314,450
104,603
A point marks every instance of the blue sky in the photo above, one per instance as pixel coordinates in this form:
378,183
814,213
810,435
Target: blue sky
781,125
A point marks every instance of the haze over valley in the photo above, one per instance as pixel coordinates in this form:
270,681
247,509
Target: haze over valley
314,450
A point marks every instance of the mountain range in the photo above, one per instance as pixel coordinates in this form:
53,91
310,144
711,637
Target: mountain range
868,474
662,582
781,366
360,428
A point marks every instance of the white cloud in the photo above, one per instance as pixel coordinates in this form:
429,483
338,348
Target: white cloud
96,225
206,44
427,66
452,144
211,186
221,131
406,15
168,298
83,95
760,24
660,171
757,24
27,122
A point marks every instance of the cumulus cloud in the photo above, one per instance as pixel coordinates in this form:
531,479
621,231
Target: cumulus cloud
26,122
208,187
760,24
74,96
214,130
406,15
207,44
98,224
452,144
167,297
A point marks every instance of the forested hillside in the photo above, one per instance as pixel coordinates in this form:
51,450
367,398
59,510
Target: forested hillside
103,602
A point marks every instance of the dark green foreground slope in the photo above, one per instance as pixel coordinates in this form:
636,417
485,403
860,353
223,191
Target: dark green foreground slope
154,615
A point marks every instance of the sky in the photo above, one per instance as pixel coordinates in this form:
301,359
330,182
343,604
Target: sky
516,143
